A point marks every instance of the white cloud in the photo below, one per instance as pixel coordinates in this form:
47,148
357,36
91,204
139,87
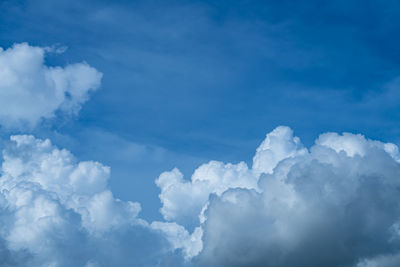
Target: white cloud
180,238
333,205
30,90
278,145
56,211
183,200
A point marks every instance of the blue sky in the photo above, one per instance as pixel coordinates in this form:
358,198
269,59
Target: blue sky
186,82
207,79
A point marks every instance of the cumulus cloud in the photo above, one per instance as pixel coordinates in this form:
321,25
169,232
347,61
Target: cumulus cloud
30,90
180,238
56,211
334,204
183,200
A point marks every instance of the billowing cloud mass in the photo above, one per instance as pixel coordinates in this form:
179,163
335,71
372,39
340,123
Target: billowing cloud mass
334,204
30,90
56,211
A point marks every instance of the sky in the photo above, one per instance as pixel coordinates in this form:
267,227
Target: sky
167,120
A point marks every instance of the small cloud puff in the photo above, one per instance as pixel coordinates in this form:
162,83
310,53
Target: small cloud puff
31,91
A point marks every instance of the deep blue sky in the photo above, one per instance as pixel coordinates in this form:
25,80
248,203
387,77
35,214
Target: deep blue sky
190,81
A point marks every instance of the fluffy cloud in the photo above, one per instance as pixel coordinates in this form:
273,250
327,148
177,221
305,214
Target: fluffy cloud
336,204
56,211
185,201
30,90
180,238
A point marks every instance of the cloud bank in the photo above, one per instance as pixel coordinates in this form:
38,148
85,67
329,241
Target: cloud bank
30,90
333,204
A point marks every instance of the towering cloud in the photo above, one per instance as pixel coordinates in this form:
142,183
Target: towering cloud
336,204
30,90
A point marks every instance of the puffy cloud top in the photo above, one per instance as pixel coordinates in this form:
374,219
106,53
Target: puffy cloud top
278,145
30,90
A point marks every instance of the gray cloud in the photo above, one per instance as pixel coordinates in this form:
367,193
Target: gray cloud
335,204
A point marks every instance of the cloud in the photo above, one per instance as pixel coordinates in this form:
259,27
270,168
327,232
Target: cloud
184,200
334,204
391,260
56,211
180,238
31,91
